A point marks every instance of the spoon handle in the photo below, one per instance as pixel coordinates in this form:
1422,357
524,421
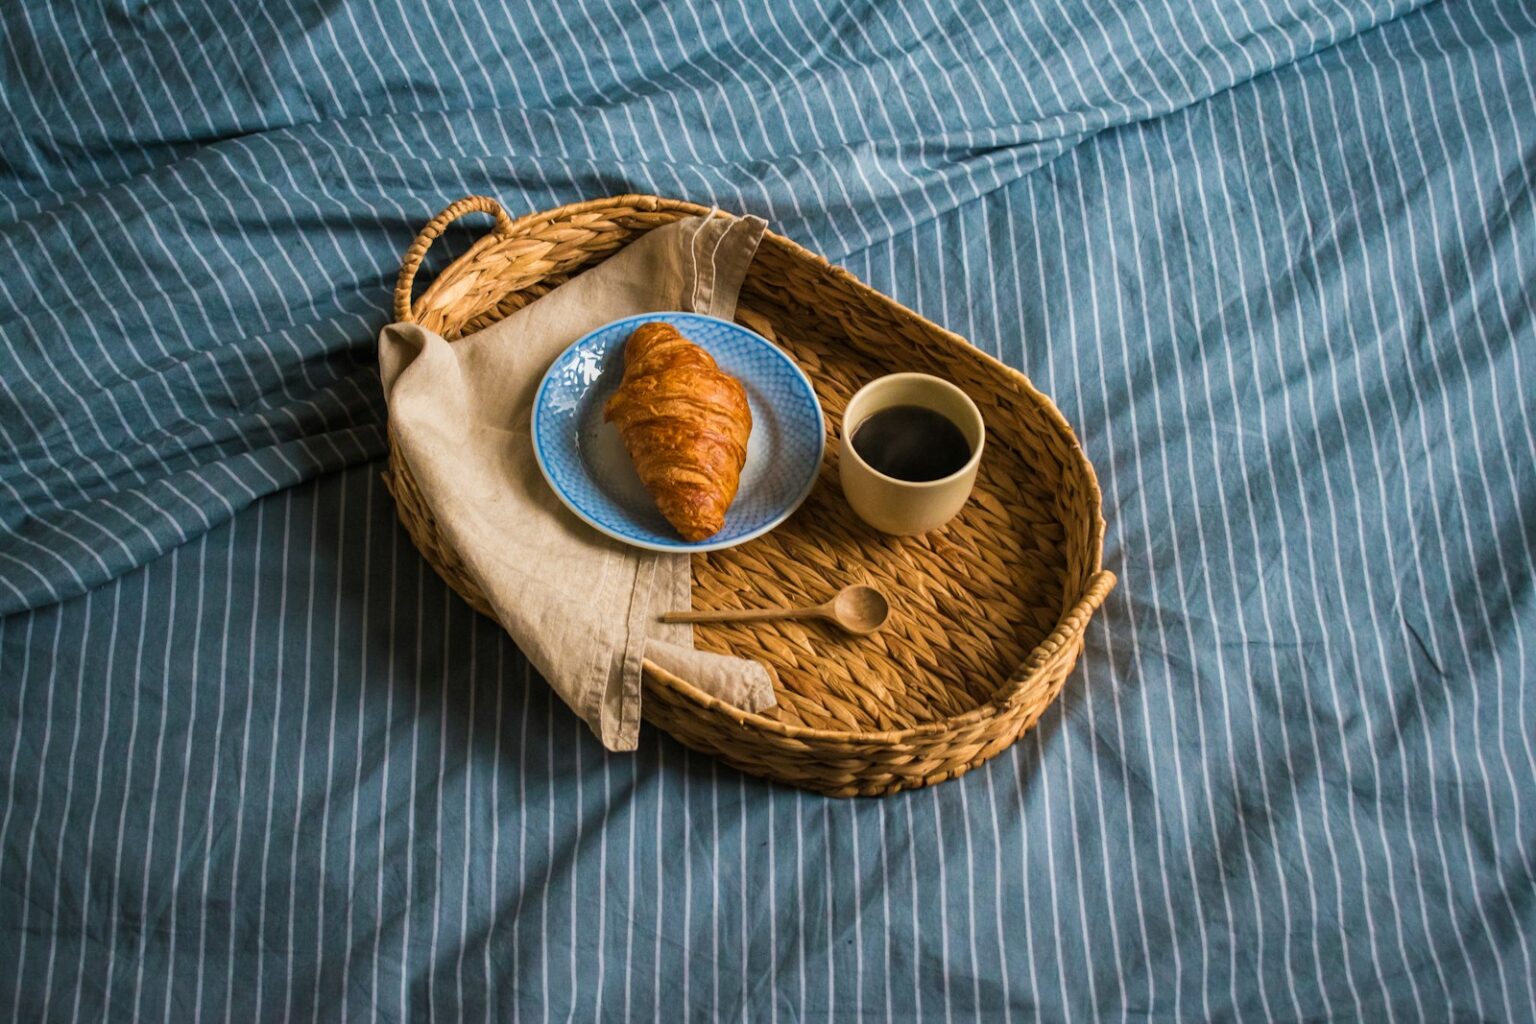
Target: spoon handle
745,615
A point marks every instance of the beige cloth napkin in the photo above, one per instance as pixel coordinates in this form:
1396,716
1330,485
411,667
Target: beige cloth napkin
581,606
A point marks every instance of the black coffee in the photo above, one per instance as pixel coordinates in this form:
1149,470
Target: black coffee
911,442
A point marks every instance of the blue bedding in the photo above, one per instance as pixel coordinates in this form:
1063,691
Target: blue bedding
1276,263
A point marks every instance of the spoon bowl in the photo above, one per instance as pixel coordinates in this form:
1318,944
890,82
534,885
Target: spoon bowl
859,609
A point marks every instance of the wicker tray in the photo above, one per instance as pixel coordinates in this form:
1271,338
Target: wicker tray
989,611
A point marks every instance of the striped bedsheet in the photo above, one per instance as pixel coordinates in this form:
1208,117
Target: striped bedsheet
1276,263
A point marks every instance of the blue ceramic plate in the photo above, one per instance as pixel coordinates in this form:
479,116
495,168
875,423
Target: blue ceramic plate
585,462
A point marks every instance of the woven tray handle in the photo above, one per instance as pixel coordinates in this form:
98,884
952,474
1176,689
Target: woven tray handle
435,227
1072,626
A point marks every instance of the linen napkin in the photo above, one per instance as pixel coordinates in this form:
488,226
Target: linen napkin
581,606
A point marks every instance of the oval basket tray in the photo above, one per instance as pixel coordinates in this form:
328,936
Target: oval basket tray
988,612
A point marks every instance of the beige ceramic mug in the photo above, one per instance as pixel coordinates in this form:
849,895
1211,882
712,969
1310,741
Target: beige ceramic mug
905,507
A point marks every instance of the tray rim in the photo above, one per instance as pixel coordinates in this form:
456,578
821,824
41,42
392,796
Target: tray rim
1071,624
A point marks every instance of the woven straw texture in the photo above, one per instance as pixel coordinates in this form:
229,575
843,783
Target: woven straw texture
988,612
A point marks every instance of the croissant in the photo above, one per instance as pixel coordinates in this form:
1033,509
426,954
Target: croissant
685,424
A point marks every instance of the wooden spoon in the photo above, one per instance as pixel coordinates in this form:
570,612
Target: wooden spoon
858,609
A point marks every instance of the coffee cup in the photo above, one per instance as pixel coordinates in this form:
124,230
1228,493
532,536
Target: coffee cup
909,450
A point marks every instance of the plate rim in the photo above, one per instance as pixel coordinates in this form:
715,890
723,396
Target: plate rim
681,545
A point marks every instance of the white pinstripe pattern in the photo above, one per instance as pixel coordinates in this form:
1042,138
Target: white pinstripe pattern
330,755
1348,769
58,854
213,787
1160,444
1465,649
1503,446
154,787
383,813
1348,625
186,775
1268,609
21,962
1071,329
1456,477
1259,241
277,714
437,811
418,682
303,745
1395,574
1161,627
495,863
469,815
1371,436
1308,546
1399,307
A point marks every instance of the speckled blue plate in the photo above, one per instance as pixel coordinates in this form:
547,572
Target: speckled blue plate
585,462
